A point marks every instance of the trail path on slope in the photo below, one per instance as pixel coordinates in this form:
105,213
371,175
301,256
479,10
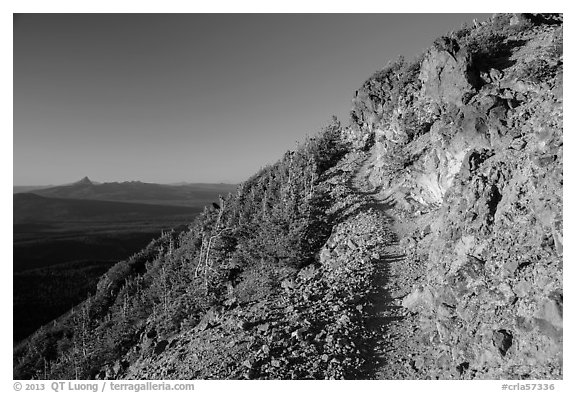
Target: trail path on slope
392,348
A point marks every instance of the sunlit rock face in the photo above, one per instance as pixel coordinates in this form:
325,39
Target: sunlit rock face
474,139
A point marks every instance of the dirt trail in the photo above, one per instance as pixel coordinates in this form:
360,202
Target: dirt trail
391,347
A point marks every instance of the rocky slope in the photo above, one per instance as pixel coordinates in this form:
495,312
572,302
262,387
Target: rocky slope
422,241
470,152
313,328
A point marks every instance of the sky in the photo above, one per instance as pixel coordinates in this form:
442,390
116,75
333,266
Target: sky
169,98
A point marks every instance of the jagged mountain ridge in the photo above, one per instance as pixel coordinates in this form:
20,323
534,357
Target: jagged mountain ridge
454,159
190,194
84,181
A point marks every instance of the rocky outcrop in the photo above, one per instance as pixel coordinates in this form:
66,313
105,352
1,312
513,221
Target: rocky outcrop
475,143
447,74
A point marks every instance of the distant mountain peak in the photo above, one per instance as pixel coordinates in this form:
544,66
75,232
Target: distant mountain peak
84,181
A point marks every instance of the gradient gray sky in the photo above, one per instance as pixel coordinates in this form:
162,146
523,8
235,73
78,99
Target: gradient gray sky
191,97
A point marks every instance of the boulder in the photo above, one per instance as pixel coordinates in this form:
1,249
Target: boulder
502,340
446,76
551,312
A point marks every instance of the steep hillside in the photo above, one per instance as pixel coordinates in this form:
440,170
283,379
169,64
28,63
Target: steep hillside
422,241
467,143
62,246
